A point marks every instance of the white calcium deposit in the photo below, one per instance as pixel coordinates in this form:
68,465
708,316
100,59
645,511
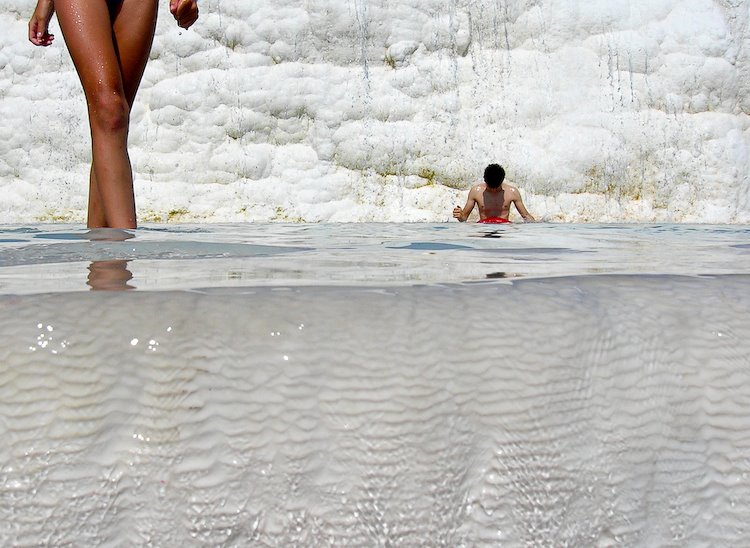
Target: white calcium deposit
378,110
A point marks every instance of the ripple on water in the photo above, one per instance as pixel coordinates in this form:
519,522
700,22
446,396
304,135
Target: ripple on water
159,258
562,411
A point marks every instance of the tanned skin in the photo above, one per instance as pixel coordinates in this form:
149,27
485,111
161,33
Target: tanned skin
492,202
109,47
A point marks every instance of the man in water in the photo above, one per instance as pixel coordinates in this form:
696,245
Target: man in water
493,198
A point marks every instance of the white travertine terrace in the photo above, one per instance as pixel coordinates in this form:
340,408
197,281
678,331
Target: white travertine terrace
364,110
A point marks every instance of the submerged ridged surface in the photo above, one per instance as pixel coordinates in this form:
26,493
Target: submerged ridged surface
570,411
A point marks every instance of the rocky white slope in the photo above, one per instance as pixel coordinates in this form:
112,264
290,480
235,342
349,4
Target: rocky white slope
364,110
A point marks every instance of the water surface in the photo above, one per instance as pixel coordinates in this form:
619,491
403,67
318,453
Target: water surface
58,258
366,385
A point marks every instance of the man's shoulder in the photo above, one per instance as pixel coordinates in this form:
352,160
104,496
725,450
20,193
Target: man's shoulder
478,187
507,187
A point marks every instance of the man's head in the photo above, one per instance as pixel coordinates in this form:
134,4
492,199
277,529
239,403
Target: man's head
494,175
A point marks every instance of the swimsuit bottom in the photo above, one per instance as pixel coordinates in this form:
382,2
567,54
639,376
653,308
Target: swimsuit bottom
494,221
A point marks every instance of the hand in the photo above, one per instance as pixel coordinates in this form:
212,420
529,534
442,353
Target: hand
185,12
458,213
39,24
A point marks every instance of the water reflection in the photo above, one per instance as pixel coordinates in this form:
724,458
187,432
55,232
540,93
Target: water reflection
108,235
490,234
109,276
113,274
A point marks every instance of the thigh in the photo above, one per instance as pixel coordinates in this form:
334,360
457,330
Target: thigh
87,28
133,26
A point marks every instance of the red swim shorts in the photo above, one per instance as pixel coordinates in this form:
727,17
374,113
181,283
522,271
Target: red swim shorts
494,221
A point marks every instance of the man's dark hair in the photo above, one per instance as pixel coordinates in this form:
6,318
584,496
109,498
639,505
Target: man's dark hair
494,175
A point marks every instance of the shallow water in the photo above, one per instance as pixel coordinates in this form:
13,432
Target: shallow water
58,258
541,385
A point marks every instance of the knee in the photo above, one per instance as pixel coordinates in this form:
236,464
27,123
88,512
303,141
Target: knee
109,110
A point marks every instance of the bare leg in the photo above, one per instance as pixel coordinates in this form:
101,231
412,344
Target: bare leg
110,52
134,23
96,216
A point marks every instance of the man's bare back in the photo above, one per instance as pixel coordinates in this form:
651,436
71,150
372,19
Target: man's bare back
492,202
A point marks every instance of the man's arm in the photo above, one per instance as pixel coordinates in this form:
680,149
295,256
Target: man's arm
463,214
522,208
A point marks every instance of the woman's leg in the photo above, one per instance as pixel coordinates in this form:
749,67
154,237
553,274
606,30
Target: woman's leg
133,27
110,53
134,24
96,216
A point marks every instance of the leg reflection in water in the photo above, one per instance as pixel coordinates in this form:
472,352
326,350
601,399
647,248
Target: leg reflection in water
109,276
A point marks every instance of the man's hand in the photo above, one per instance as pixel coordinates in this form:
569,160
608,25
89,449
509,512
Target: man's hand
185,12
458,214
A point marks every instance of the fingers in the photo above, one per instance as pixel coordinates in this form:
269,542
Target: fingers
38,34
39,23
34,35
185,12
